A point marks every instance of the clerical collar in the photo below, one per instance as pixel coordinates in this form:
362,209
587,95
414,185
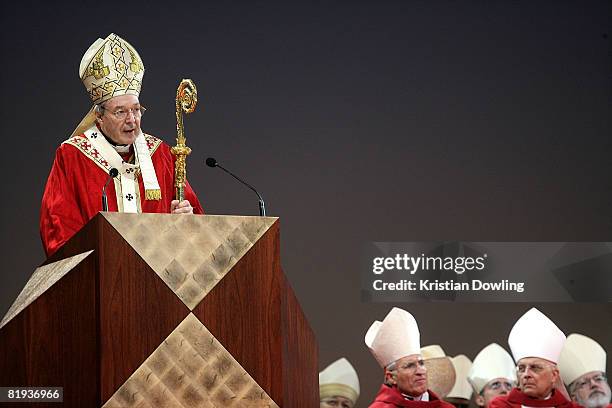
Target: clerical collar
549,396
422,397
122,148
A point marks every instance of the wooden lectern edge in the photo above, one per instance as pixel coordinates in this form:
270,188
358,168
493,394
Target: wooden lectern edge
59,255
103,213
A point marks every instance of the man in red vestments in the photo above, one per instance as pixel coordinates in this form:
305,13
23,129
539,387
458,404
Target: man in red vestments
583,368
109,137
536,344
395,343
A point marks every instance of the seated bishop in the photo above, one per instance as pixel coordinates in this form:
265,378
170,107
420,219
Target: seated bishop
536,343
395,343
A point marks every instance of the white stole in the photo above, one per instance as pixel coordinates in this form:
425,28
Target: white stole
126,183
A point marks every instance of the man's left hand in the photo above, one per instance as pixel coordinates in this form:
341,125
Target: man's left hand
183,207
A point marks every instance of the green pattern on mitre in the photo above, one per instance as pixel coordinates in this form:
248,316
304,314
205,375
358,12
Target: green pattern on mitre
111,67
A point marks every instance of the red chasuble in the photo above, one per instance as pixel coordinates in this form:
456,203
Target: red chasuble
390,397
73,194
516,398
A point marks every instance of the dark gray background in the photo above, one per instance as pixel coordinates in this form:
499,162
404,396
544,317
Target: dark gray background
359,122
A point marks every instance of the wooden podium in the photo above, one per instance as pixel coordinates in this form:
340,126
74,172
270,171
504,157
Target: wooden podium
162,310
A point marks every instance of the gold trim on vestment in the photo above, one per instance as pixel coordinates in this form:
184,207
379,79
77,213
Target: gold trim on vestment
153,194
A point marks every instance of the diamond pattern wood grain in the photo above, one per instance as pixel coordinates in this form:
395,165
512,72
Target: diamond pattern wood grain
190,369
190,254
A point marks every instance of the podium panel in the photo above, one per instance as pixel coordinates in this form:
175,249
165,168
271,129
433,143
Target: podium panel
164,310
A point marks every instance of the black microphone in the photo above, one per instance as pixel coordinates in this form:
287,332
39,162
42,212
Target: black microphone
111,175
211,162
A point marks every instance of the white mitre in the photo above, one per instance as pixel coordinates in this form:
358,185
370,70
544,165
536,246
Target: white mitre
339,379
110,67
461,388
580,355
535,335
490,363
395,337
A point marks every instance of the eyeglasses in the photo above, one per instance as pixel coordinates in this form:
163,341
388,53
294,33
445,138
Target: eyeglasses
534,368
122,114
598,379
412,365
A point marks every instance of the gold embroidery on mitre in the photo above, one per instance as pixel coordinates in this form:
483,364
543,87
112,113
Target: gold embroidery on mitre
136,63
97,69
115,69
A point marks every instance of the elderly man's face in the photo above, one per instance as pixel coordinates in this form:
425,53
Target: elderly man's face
336,402
409,375
591,390
120,120
536,376
493,389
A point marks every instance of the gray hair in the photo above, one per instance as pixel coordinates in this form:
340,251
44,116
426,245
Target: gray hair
391,367
99,109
